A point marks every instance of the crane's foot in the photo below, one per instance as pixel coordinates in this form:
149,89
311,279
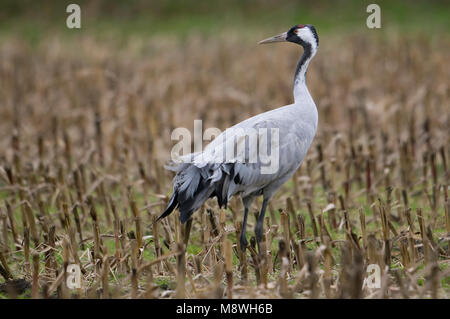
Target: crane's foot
243,242
259,231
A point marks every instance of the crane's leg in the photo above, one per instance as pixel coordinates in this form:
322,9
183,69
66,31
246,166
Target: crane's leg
259,227
242,238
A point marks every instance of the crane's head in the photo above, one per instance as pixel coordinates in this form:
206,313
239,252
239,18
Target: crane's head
303,34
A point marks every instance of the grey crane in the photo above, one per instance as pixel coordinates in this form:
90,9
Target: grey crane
290,131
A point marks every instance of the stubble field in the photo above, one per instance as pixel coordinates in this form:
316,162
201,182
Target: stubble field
85,132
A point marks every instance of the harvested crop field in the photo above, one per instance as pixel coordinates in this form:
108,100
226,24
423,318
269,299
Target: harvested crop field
85,131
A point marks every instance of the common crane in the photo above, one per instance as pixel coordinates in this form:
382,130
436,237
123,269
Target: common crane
213,173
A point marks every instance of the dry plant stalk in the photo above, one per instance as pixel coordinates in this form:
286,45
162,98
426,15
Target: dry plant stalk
229,267
82,171
284,268
181,271
134,269
35,285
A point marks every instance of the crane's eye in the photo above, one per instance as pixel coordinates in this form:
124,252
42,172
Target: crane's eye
299,26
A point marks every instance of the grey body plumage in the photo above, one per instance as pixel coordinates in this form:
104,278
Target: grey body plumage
204,175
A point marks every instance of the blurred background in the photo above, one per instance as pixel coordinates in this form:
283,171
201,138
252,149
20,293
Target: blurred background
200,55
34,19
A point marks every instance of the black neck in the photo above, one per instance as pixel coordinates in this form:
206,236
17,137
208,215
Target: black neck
302,66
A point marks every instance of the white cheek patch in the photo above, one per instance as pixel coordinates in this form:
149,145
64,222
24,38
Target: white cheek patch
306,35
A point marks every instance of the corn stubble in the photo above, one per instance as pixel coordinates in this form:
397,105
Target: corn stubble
84,139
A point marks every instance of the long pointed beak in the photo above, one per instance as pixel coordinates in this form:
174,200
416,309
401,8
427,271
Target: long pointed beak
277,38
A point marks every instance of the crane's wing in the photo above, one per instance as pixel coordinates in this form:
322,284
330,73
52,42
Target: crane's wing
243,159
246,158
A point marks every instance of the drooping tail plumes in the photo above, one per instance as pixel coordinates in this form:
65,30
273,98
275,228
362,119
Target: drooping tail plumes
173,203
193,185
